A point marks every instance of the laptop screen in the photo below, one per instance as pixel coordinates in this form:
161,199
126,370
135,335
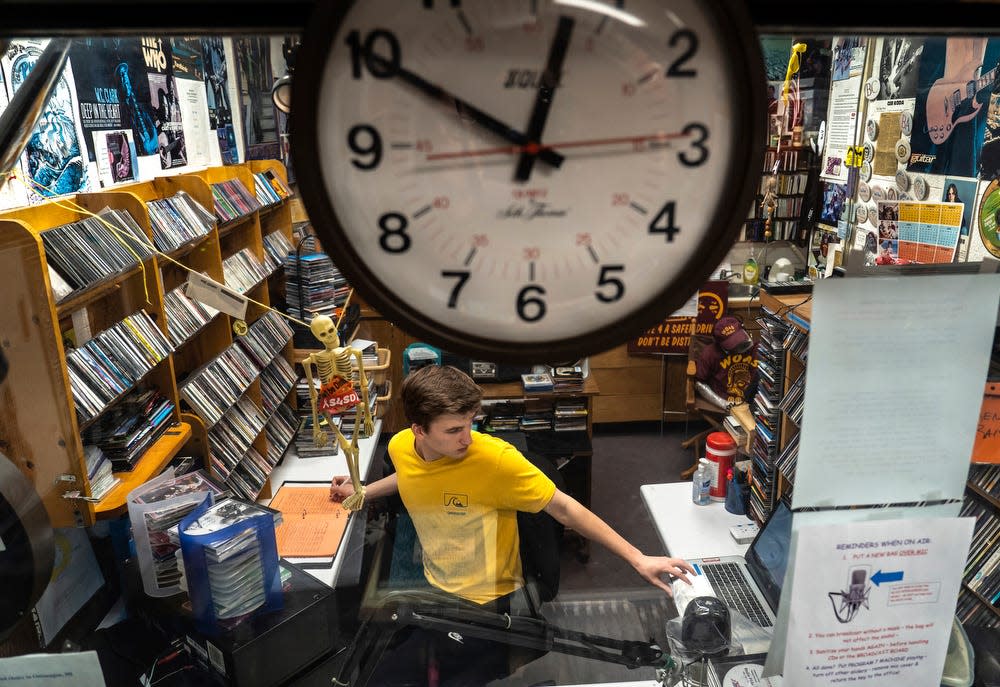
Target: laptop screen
767,557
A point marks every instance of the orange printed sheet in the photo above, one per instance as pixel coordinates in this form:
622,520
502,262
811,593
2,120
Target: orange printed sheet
312,525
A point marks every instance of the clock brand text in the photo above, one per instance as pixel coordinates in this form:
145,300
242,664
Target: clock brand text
533,210
524,78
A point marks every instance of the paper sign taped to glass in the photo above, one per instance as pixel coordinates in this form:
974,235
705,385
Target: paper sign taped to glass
336,396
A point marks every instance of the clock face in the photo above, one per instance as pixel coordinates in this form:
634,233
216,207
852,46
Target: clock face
528,179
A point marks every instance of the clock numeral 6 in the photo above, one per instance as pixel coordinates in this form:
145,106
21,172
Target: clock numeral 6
364,51
698,144
363,140
617,287
530,307
663,223
462,278
394,238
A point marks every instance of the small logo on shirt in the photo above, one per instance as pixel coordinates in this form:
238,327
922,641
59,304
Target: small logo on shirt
452,500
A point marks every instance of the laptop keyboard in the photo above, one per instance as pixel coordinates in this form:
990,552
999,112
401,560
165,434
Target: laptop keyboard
729,583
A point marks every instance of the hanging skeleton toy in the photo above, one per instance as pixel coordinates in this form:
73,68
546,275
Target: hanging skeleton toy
337,394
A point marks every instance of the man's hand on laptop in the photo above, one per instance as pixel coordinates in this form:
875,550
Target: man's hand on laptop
652,568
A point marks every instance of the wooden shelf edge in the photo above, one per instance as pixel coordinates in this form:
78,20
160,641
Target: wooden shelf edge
151,463
982,599
983,494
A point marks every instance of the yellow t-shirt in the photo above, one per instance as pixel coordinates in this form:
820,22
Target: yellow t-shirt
465,512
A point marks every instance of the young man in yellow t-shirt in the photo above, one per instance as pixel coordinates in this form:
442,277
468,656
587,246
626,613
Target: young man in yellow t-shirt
463,490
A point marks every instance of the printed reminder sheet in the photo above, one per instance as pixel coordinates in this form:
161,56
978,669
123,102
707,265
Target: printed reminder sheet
872,602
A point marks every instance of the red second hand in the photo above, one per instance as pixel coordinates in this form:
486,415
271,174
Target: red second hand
536,147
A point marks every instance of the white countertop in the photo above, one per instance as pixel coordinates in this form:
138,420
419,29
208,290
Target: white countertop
346,567
688,530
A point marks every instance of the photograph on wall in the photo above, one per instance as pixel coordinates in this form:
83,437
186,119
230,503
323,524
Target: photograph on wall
53,162
897,67
958,190
170,144
116,158
848,57
133,96
915,232
954,80
834,200
260,128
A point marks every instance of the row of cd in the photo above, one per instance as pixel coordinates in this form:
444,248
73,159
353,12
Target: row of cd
265,338
243,271
213,389
231,436
270,187
113,361
185,316
85,252
177,220
232,199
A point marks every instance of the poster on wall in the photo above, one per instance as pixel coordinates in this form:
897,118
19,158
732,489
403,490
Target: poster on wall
189,81
115,155
954,81
53,163
217,92
898,65
166,107
847,63
673,335
97,85
12,192
260,133
913,232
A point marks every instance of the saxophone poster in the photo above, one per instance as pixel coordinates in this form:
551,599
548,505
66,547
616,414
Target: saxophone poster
53,161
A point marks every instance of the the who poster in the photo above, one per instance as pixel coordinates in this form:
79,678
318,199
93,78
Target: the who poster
164,103
53,161
954,82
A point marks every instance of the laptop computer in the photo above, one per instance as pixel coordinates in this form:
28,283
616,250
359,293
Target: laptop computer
751,584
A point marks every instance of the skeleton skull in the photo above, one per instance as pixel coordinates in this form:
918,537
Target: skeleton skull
323,329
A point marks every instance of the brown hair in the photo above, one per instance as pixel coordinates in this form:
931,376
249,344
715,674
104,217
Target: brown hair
438,390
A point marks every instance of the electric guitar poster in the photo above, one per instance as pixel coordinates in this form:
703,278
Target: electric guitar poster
954,82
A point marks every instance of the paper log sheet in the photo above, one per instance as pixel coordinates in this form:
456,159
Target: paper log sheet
312,525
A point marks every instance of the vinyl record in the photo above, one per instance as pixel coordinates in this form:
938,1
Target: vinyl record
28,551
989,218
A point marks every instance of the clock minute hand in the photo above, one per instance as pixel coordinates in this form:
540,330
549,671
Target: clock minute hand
485,120
546,92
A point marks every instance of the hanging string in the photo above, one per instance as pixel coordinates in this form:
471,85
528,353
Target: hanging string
73,206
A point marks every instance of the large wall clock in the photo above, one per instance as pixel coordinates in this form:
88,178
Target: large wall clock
528,180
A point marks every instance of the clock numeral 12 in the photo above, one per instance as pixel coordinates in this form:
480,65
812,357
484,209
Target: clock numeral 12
663,223
379,67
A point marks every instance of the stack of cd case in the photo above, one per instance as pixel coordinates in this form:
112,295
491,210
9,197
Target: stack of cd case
276,250
214,388
127,432
185,316
243,271
230,561
177,220
86,252
112,362
265,338
232,200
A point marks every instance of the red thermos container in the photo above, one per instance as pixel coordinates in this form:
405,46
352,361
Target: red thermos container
720,449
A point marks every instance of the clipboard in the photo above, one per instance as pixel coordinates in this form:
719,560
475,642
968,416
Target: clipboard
313,528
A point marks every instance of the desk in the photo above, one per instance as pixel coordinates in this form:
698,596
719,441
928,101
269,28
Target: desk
688,530
346,567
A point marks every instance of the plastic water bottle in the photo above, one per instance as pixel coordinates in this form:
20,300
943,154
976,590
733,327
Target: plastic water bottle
701,483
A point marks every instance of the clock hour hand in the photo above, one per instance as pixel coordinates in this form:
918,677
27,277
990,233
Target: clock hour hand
546,92
485,120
